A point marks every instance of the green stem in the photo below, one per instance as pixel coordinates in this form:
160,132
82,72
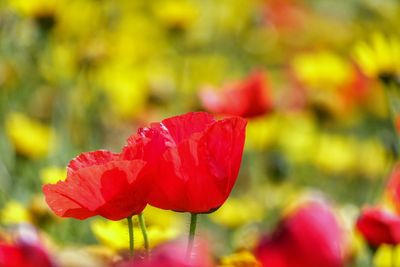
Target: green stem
394,256
131,239
144,233
192,231
393,101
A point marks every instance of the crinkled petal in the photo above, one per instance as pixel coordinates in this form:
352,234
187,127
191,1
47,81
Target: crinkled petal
184,126
113,190
62,204
88,159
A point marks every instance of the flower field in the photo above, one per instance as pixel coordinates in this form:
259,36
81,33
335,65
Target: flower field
230,133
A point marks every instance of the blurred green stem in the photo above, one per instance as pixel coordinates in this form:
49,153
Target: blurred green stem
393,252
393,99
131,240
144,233
192,231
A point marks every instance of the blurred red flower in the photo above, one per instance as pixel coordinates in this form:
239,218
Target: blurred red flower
379,227
393,187
193,159
397,123
173,254
249,98
285,14
23,255
357,90
99,183
309,237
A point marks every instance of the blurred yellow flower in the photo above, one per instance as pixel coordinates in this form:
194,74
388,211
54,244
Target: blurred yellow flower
298,133
164,218
322,70
79,18
14,213
114,234
204,69
125,89
380,57
227,12
239,259
387,256
30,137
262,132
238,211
135,40
35,8
372,158
357,245
162,225
52,174
336,153
176,14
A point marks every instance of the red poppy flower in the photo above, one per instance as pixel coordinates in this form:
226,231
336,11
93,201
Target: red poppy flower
310,237
248,98
23,255
379,227
193,159
99,183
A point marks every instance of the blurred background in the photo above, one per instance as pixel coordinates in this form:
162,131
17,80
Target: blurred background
81,75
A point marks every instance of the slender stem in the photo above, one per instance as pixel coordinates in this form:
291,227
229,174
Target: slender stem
393,101
144,233
394,256
192,231
131,238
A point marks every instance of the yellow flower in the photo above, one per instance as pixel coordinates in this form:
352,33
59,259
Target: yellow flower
29,137
298,133
240,259
176,14
114,234
80,18
52,174
238,211
13,213
34,8
125,89
387,256
164,218
135,40
322,70
262,132
162,225
336,154
372,158
380,57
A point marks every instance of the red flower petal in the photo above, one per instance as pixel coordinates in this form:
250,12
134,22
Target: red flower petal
98,183
206,164
184,126
63,205
88,159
